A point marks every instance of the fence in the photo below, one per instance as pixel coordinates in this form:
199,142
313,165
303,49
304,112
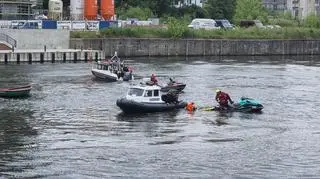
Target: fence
6,38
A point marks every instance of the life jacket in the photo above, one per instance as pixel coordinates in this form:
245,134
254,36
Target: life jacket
154,79
190,107
223,98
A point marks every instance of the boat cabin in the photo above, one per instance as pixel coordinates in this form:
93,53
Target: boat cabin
147,94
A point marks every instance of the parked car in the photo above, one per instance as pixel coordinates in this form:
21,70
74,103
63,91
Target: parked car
251,23
224,24
273,26
207,24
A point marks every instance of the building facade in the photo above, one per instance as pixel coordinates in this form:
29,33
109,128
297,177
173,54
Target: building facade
15,9
302,8
275,5
189,3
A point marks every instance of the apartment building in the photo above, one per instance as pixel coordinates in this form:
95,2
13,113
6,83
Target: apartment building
15,9
275,5
302,8
189,3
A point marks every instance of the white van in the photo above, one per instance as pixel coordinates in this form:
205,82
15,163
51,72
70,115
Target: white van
203,24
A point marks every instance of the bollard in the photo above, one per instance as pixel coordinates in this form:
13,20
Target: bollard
18,58
96,56
45,48
74,57
86,56
64,59
29,58
53,57
41,57
5,58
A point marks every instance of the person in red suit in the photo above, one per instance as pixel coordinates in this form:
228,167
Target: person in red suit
223,99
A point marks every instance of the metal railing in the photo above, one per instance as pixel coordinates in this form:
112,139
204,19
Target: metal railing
6,38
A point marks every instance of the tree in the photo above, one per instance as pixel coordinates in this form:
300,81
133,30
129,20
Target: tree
136,12
250,10
158,7
218,9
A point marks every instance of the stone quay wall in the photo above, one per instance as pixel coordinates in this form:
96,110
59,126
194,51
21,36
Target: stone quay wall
197,47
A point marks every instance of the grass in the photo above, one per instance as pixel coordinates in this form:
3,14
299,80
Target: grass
238,33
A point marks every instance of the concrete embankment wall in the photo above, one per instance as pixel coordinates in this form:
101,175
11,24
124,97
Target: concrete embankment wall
38,38
197,47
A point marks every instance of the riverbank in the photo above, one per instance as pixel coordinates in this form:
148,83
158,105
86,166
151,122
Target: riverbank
182,32
196,47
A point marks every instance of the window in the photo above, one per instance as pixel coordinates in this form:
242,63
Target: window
148,93
156,93
135,92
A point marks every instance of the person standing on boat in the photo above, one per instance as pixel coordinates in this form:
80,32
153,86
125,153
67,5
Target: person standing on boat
171,81
223,99
154,79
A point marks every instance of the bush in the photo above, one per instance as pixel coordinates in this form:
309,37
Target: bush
176,30
135,12
312,21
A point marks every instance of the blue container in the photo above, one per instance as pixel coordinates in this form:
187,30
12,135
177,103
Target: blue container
49,24
107,24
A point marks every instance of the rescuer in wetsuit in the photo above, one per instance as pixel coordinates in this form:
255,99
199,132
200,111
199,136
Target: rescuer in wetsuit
223,99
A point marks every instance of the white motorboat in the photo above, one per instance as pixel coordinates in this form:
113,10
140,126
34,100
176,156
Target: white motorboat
111,70
148,98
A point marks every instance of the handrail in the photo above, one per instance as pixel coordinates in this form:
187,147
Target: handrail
8,39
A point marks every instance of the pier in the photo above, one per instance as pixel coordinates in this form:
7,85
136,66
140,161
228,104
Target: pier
50,55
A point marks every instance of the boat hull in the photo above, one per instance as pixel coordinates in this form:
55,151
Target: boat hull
17,92
248,109
178,86
103,75
130,106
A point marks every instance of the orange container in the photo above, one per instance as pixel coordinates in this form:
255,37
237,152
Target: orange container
90,9
107,9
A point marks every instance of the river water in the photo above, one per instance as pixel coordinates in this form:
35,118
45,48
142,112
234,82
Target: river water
70,126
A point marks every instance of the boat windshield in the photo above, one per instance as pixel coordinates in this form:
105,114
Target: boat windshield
135,92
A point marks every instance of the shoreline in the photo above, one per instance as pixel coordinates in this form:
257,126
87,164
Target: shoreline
163,47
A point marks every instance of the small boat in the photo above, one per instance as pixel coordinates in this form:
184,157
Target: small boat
146,98
245,104
15,92
112,70
173,85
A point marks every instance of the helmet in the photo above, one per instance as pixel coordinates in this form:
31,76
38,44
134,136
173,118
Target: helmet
218,90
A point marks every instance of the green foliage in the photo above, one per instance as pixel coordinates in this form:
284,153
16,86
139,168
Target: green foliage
135,12
176,28
250,10
284,19
158,7
218,9
182,32
312,21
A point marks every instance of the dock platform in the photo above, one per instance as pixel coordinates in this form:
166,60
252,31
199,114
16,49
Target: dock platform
50,55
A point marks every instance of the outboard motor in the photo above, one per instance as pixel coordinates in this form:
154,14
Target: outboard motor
127,76
170,97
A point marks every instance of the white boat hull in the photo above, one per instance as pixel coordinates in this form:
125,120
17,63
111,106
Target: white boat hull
104,75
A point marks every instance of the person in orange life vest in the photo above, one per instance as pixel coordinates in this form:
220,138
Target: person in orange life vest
223,98
191,107
154,79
